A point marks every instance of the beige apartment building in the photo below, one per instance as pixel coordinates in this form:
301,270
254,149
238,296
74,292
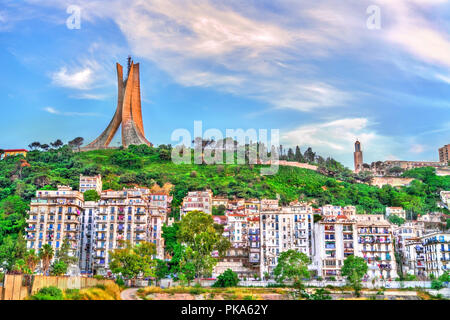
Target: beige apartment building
197,200
91,183
376,245
444,154
54,216
397,211
122,216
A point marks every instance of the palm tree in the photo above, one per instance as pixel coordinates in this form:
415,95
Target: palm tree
46,255
31,260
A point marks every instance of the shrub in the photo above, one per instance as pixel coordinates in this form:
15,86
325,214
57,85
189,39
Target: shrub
120,282
227,279
436,285
48,293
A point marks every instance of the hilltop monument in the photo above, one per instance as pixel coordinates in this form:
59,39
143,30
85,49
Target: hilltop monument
128,112
358,157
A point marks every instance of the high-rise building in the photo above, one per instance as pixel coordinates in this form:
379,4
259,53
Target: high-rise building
444,154
282,230
88,217
358,157
55,215
122,215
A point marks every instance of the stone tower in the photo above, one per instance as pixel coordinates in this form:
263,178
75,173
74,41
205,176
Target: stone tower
358,157
128,112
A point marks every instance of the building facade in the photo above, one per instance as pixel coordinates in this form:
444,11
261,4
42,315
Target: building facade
55,215
91,183
444,153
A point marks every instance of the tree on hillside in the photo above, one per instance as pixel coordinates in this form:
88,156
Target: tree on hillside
45,147
354,269
34,145
76,143
58,143
309,155
91,195
290,155
46,255
292,265
201,236
298,155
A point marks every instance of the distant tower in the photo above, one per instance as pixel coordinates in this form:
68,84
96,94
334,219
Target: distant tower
358,157
128,112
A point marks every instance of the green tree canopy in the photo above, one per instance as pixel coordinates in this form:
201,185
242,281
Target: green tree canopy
292,265
354,269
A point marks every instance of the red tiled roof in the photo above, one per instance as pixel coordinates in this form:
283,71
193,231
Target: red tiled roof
14,150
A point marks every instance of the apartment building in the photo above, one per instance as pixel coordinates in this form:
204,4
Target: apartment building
54,216
445,198
402,235
90,183
375,245
436,251
156,219
335,238
122,215
197,200
88,218
397,211
281,230
444,154
414,258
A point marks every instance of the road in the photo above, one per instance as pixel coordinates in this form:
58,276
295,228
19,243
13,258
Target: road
129,294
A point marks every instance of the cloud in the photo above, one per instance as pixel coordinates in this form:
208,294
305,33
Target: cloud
52,110
81,79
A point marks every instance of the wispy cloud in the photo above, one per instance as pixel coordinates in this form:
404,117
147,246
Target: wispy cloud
80,79
64,113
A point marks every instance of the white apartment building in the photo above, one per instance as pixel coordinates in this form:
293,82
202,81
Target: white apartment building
375,245
123,215
91,183
88,217
281,230
54,216
397,211
402,234
156,219
445,198
436,250
335,239
414,258
197,200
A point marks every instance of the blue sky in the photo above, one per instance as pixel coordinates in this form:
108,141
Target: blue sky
312,69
